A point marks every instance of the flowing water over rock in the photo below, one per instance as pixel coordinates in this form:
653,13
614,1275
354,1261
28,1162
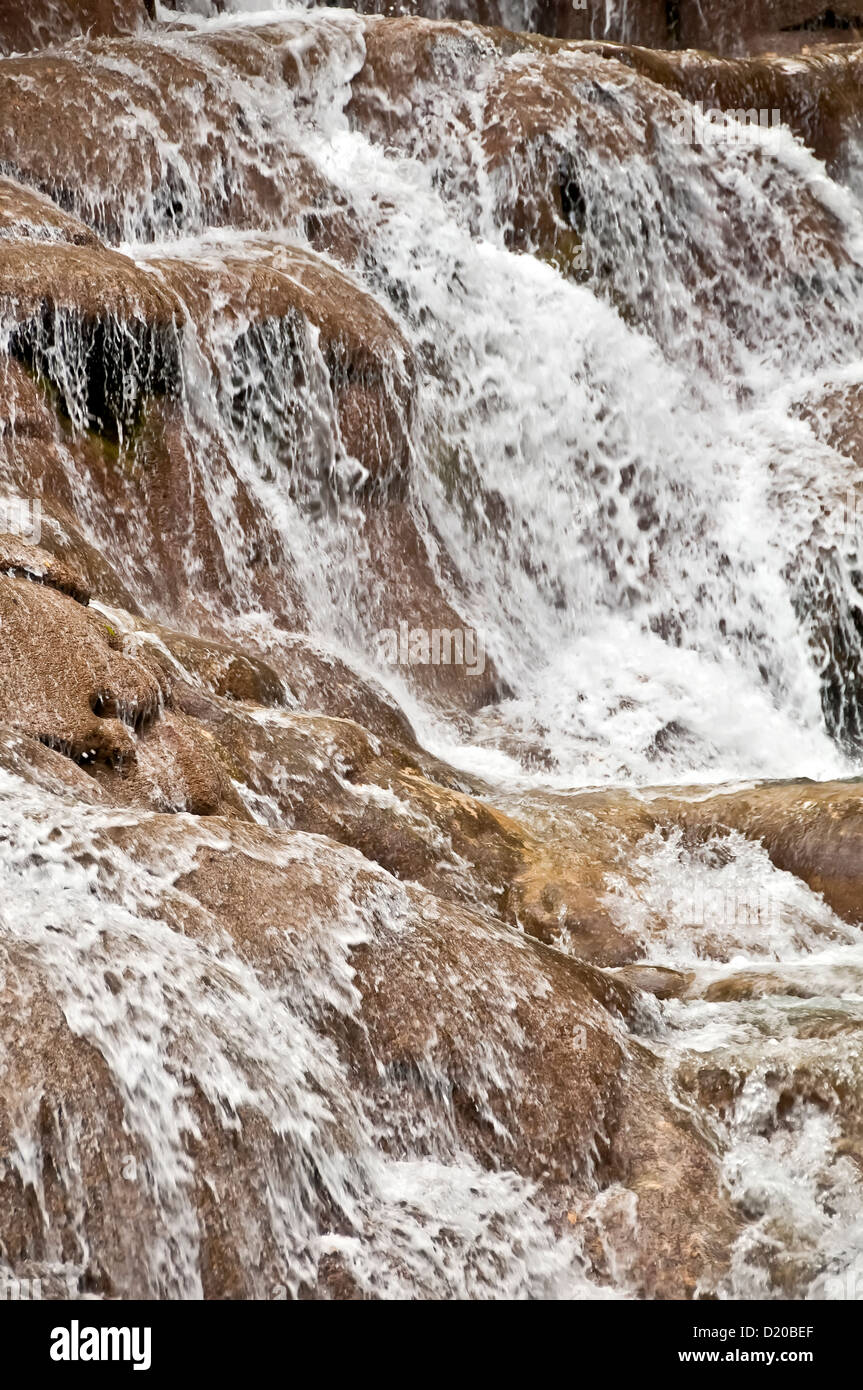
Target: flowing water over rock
431,653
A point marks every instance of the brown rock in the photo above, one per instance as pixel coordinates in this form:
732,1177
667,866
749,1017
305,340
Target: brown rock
573,844
752,984
809,829
408,590
535,90
570,1103
392,96
279,290
41,766
812,830
679,1242
89,281
121,322
219,667
49,1073
63,540
222,174
420,820
331,777
530,108
24,411
751,26
26,213
22,561
155,511
175,769
42,23
66,681
775,25
817,95
657,980
322,683
63,679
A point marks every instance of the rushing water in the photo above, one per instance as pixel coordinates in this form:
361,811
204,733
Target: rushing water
646,534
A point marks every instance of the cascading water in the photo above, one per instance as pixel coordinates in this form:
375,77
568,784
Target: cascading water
477,336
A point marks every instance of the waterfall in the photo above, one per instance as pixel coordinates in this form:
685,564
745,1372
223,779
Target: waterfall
430,704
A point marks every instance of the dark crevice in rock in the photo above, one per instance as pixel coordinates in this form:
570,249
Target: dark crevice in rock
139,718
102,370
86,758
827,20
672,21
572,202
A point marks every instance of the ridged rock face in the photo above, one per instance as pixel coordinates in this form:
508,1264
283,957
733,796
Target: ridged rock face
26,213
753,26
817,94
766,24
155,718
257,920
45,23
270,297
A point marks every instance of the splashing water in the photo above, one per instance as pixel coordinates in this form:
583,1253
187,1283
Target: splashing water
615,479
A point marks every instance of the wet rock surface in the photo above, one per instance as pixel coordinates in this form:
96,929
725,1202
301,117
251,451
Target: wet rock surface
329,973
765,25
49,22
272,297
592,1085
